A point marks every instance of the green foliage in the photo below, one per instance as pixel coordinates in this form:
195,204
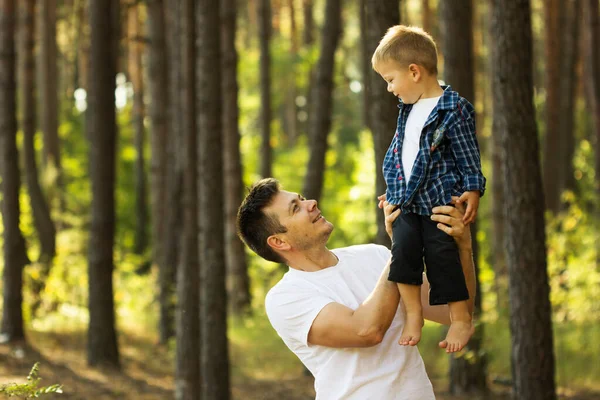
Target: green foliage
30,390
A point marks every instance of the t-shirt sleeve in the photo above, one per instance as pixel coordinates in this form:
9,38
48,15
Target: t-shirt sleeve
292,312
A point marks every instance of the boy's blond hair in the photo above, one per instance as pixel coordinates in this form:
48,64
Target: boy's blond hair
407,45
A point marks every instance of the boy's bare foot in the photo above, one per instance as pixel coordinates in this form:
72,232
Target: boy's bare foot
411,334
458,336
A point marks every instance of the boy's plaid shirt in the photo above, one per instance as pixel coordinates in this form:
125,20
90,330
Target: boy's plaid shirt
448,162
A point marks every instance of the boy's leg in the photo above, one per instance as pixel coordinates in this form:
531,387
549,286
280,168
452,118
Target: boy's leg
447,282
406,270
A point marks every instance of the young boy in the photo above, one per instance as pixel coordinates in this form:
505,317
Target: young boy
433,156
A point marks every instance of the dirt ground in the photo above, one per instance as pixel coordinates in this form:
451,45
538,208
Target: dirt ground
147,373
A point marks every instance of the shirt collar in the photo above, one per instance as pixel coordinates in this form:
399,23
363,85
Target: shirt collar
448,101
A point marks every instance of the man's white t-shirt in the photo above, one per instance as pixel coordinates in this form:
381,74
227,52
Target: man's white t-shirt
412,132
386,371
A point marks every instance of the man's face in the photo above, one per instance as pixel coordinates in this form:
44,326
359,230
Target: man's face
400,81
305,225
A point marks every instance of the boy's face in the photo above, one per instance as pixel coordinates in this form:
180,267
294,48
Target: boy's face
401,81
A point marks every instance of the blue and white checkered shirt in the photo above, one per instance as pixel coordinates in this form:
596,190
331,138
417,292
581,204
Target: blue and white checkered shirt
448,162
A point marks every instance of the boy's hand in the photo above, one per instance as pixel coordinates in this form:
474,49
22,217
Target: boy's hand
390,216
381,199
472,200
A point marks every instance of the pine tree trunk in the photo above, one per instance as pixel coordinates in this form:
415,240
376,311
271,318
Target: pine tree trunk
467,374
235,256
381,106
322,101
187,370
308,36
102,131
214,363
264,37
554,74
135,69
49,104
530,319
568,84
15,255
159,142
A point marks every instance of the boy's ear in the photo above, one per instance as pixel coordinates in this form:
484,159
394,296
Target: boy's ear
278,243
415,72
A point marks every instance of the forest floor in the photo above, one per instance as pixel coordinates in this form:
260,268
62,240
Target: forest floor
147,372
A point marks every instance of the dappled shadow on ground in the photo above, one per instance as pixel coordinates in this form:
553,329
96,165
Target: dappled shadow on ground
147,373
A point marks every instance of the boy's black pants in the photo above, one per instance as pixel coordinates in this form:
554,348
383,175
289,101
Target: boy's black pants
416,237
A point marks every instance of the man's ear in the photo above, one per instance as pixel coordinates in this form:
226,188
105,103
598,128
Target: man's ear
415,72
277,243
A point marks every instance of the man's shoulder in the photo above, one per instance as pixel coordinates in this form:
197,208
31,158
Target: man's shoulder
362,249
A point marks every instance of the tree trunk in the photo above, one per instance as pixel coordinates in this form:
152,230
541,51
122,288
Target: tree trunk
136,74
554,74
381,105
467,374
264,37
83,46
41,215
214,364
187,370
308,36
426,16
568,84
15,254
235,256
322,101
530,320
291,119
159,90
102,131
592,60
49,104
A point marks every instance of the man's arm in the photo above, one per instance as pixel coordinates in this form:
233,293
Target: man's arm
340,326
450,221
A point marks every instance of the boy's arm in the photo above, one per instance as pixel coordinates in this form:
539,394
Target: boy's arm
465,149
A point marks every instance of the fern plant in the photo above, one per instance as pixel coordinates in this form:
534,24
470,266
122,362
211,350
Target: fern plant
29,390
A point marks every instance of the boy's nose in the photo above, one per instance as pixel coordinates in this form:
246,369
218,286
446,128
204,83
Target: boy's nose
389,87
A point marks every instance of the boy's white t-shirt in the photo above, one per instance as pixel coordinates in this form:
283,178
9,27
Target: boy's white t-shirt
386,371
412,132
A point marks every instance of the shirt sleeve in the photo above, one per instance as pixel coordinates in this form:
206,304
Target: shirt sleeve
292,312
465,149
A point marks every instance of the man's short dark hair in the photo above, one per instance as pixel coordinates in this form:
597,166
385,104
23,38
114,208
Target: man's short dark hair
254,225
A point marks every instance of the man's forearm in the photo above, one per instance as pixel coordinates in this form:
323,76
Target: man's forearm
376,313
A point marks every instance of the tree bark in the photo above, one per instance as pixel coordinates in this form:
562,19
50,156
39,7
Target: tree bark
568,84
235,256
159,115
322,101
592,67
308,36
102,131
467,374
136,73
49,104
187,370
15,254
530,320
214,364
426,16
264,37
381,106
553,9
41,215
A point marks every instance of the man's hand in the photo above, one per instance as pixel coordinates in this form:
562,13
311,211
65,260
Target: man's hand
472,200
451,221
381,199
390,215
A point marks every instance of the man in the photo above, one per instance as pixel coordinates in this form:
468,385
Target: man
334,307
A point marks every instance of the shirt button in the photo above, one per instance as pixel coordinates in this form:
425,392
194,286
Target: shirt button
398,166
395,150
399,178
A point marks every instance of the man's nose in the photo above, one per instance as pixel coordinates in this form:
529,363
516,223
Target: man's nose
312,204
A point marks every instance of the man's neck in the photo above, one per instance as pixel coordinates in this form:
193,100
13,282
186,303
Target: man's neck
312,260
